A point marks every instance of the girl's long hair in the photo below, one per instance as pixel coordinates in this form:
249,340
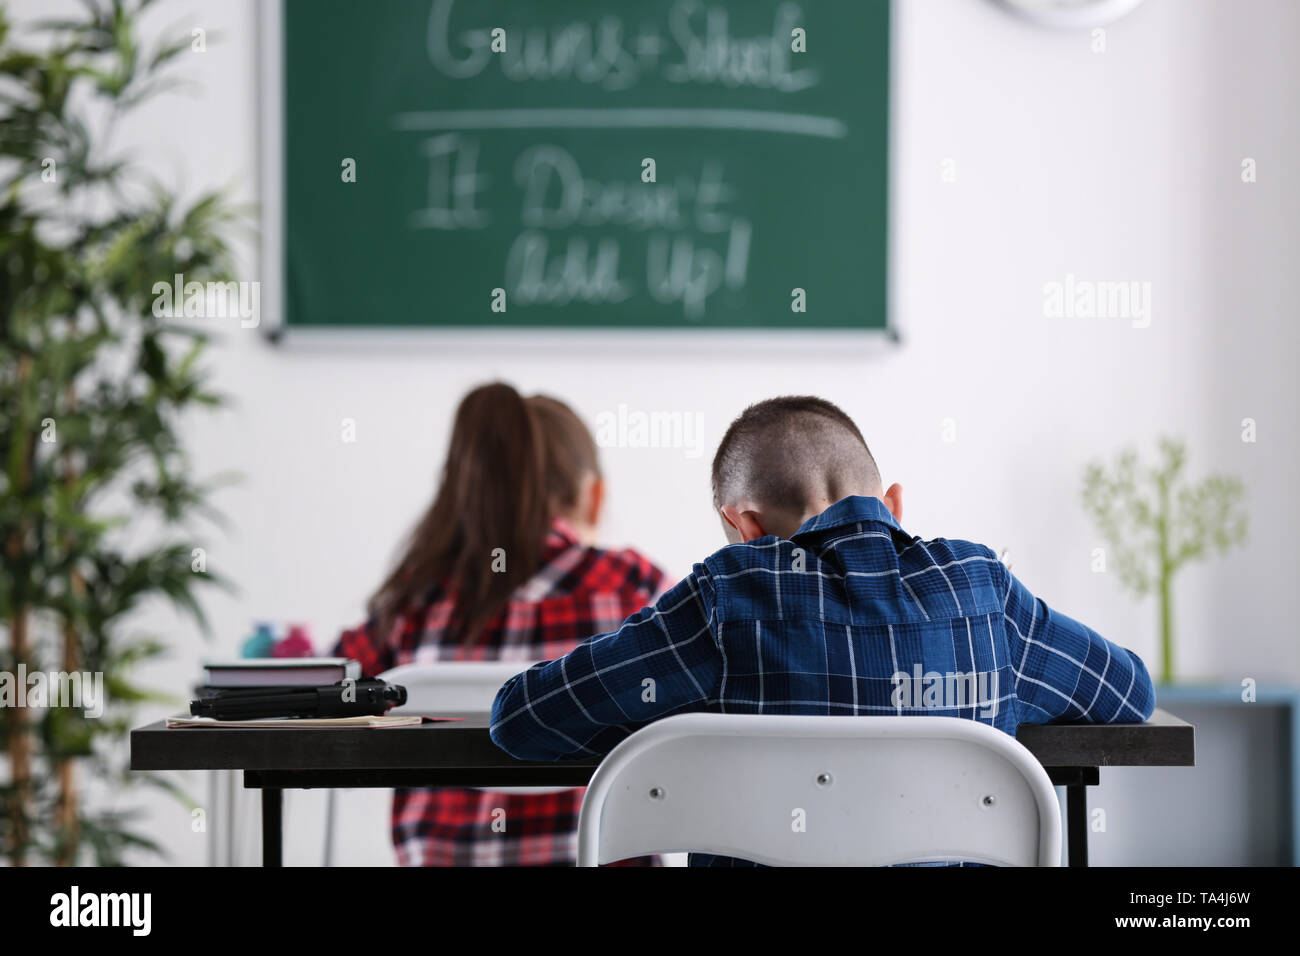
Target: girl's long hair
512,465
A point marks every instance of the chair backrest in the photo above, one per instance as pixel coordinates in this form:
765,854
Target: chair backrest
450,686
834,791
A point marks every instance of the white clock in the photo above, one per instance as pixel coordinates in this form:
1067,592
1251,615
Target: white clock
1069,14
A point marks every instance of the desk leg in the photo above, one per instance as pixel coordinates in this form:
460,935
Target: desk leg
272,819
1076,781
1076,811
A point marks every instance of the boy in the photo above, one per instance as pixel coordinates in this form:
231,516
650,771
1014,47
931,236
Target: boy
821,604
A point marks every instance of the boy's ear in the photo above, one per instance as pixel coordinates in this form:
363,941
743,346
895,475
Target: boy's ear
893,499
747,524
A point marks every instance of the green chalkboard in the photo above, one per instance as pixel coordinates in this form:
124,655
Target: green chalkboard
525,170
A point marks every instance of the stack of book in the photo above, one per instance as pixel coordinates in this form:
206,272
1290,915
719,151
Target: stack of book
277,672
291,692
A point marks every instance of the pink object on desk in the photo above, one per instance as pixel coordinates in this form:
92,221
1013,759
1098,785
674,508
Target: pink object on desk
296,643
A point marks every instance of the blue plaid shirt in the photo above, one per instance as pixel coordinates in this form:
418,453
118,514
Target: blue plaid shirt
849,616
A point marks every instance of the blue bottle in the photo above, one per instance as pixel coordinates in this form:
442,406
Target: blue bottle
260,644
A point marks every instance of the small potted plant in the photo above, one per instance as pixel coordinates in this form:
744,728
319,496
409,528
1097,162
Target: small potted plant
1155,521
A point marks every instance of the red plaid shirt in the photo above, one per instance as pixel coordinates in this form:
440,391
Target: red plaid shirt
578,592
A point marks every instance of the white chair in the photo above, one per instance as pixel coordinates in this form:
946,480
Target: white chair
833,791
445,687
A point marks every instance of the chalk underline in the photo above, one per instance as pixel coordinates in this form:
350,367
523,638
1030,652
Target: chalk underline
756,120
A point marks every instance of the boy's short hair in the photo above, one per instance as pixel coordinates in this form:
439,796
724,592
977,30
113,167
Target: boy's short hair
790,451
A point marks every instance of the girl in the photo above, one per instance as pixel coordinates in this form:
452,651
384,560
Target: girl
521,475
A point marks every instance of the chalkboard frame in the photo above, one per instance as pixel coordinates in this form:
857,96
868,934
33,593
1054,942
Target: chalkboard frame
561,339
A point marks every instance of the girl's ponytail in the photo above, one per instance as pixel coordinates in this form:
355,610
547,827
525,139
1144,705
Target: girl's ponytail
484,533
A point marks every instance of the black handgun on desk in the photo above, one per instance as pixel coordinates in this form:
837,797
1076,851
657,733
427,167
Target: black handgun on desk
347,698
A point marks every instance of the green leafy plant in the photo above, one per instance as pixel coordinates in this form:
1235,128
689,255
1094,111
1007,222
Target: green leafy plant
1155,521
97,506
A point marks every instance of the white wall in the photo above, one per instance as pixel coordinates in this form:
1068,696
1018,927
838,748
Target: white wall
1122,165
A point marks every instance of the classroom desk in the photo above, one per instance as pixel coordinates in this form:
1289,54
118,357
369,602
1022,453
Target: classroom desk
461,754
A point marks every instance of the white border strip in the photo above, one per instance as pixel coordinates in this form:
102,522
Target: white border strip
674,344
894,331
270,83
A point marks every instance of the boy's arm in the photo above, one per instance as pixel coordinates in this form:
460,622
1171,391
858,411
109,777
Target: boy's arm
662,659
1066,671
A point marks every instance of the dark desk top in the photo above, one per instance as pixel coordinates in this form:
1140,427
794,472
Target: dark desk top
460,753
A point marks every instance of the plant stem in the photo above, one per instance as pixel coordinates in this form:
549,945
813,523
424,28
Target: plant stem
1166,627
20,741
20,748
66,822
66,819
1166,587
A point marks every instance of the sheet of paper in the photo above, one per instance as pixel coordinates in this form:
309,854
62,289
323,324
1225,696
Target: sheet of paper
361,721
